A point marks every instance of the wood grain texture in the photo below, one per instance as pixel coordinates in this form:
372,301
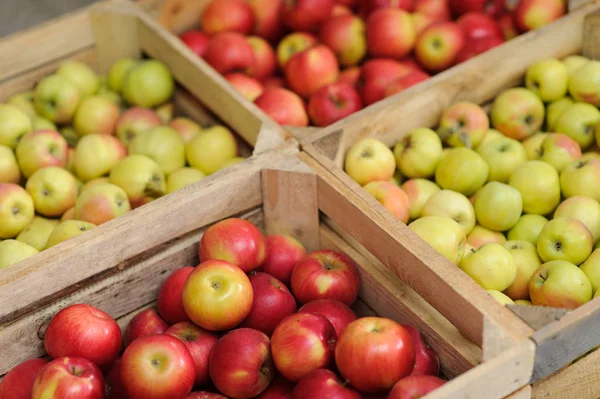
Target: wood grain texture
591,38
523,393
538,317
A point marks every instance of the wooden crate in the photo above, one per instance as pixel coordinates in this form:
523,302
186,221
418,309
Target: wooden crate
120,266
559,338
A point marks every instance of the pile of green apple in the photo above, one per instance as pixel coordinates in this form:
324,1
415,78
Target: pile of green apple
511,198
82,149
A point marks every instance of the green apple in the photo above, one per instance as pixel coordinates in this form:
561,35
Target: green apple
41,123
591,268
117,73
463,124
573,62
539,185
489,136
500,297
418,191
584,84
518,113
217,145
81,76
503,155
16,210
559,150
67,230
548,78
579,122
443,234
584,209
480,236
453,205
554,110
560,284
590,155
135,121
40,149
162,144
367,160
527,261
96,114
183,177
70,135
237,160
498,206
533,146
13,251
165,112
581,178
418,153
148,84
462,170
187,128
14,124
397,179
491,266
96,154
9,168
391,197
141,178
100,203
38,231
93,182
565,239
528,228
24,101
56,99
53,190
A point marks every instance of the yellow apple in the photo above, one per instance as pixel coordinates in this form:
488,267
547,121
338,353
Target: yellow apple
500,297
579,122
100,203
518,113
559,150
463,124
490,135
491,266
56,99
165,112
148,84
462,170
13,251
523,302
41,123
40,149
480,236
187,128
418,191
591,268
9,168
527,261
67,230
81,76
117,73
96,154
68,215
498,206
452,205
533,146
584,84
391,197
528,228
94,182
70,135
96,114
135,121
162,144
554,110
24,101
581,178
418,153
14,124
37,233
141,178
53,191
208,151
560,284
590,155
503,155
565,239
573,62
443,234
16,210
584,209
548,79
539,185
183,177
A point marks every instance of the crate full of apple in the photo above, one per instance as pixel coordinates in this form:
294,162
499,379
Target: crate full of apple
511,198
257,318
317,61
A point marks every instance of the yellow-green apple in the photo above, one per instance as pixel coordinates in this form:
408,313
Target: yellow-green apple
518,113
390,33
117,73
18,382
14,124
370,160
265,62
503,156
9,168
148,84
584,209
528,228
437,47
229,52
548,78
41,149
560,284
421,22
141,178
584,83
293,44
554,110
41,123
462,169
53,190
437,9
527,260
498,206
187,128
302,343
284,106
164,145
579,121
169,303
70,135
533,146
590,155
109,94
56,99
490,135
209,150
539,185
94,182
377,75
463,124
24,102
480,236
69,378
81,76
100,203
135,121
573,62
332,103
16,210
226,302
338,314
418,192
397,179
418,153
565,239
305,15
165,112
391,197
183,177
591,268
232,162
406,81
533,14
322,383
345,35
492,266
308,71
96,154
145,324
68,215
67,230
249,87
500,297
37,232
452,205
13,251
442,234
581,178
267,24
525,302
96,114
227,16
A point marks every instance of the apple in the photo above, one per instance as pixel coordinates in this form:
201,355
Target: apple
518,113
93,182
579,121
312,69
338,314
340,9
527,261
345,35
169,301
565,239
418,153
489,136
452,205
560,284
158,366
53,191
421,22
463,124
591,268
283,252
183,177
16,210
587,156
427,361
477,25
134,121
366,7
24,102
41,123
474,47
141,178
165,112
491,266
293,44
391,197
584,83
554,110
187,128
533,14
211,149
559,150
376,75
503,156
351,76
18,382
500,297
332,103
489,7
40,149
584,209
69,378
579,178
148,84
438,45
279,388
418,191
481,235
323,384
14,124
9,168
533,146
369,160
37,232
406,81
548,79
204,395
390,33
265,62
66,230
227,16
305,15
528,228
249,87
96,114
442,234
462,170
415,386
56,99
539,185
81,76
145,324
100,203
96,154
267,24
302,343
114,386
283,106
439,10
523,302
196,41
498,206
573,62
325,274
13,251
164,145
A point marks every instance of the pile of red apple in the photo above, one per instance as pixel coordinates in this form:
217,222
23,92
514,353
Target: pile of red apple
322,60
231,325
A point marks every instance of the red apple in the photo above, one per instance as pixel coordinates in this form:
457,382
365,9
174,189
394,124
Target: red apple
339,10
144,324
439,10
293,44
69,378
302,343
83,331
427,361
308,71
169,302
345,35
272,303
265,63
376,75
157,367
338,314
236,241
205,395
474,47
390,33
332,103
267,25
114,385
410,62
477,25
368,6
508,27
323,384
18,382
227,16
533,14
217,295
373,353
406,81
350,76
414,386
196,41
229,52
274,82
279,388
439,45
490,7
305,15
247,86
284,106
325,274
199,343
421,22
241,365
283,252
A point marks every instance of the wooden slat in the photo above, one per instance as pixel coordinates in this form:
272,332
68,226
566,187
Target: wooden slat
591,38
537,317
523,393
